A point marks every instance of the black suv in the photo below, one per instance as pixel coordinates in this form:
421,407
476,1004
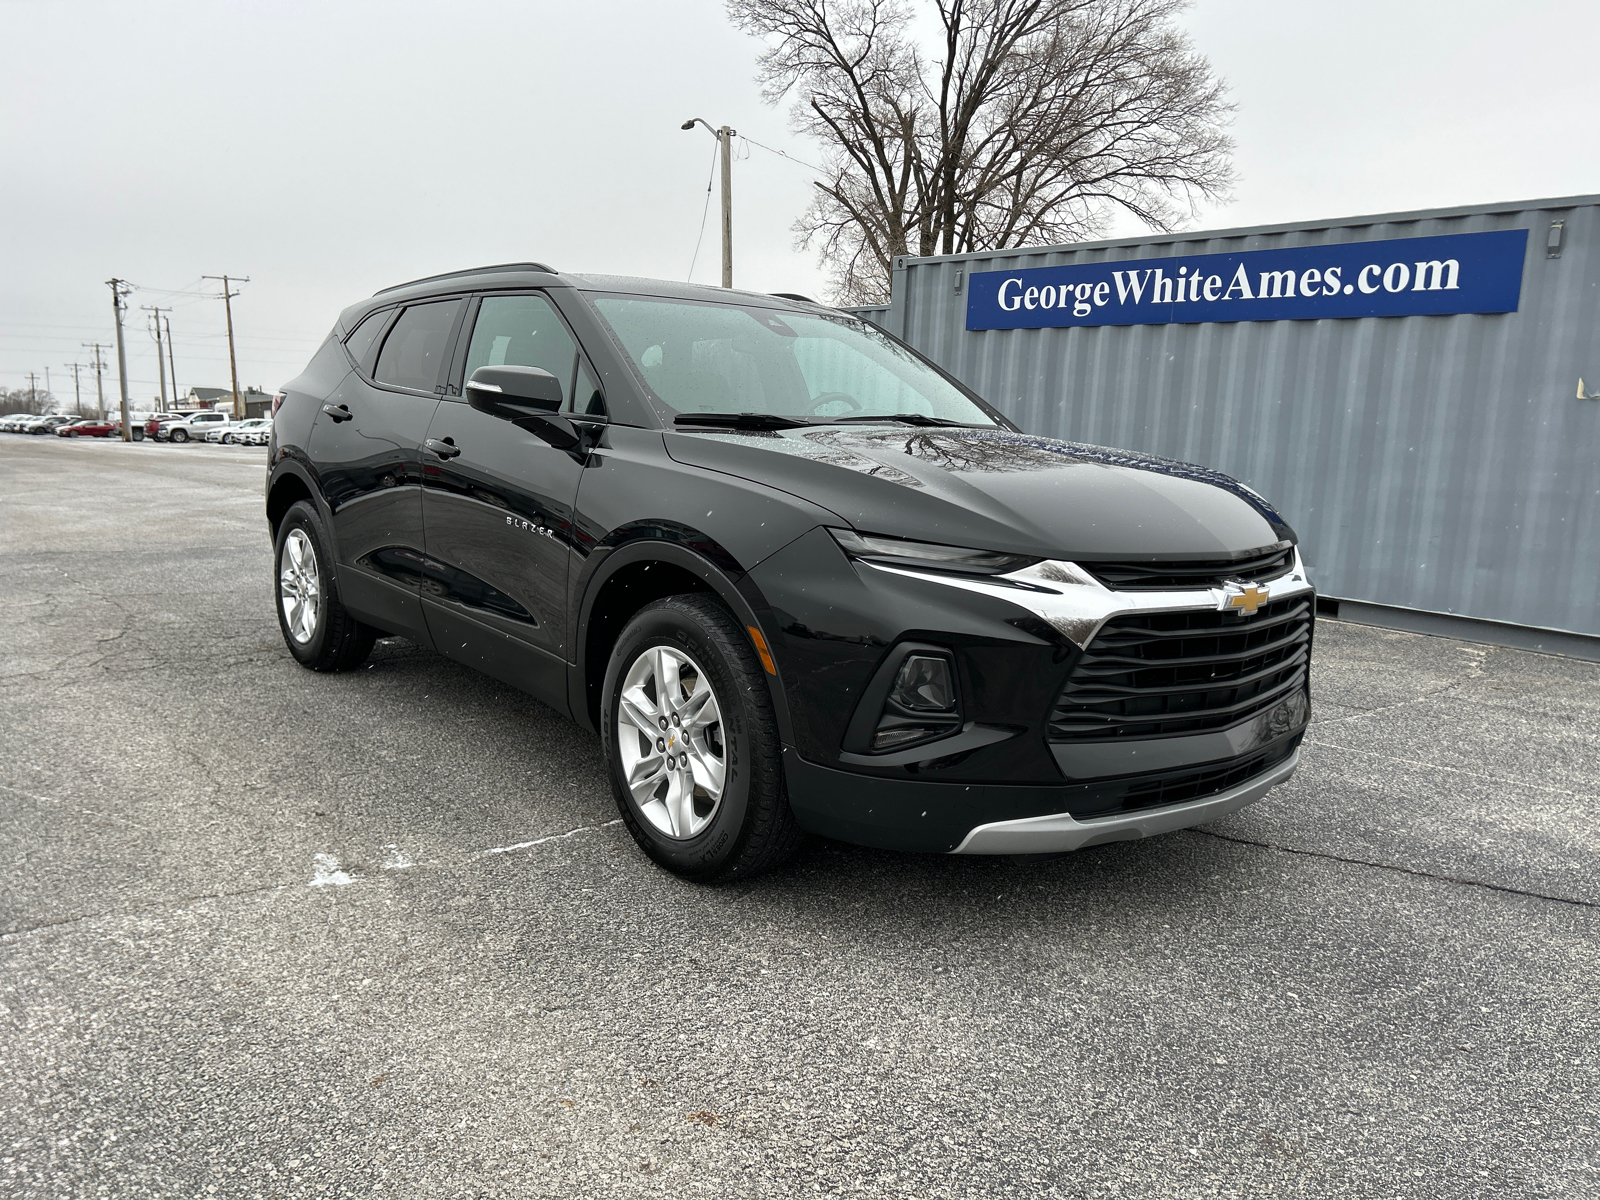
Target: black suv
795,575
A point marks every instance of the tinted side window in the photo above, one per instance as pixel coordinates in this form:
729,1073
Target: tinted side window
360,342
413,353
522,331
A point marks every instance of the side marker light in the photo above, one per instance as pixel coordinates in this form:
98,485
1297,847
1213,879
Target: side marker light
761,649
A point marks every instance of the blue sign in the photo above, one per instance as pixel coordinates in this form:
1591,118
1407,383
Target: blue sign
1400,277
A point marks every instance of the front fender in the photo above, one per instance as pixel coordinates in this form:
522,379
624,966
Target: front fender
691,551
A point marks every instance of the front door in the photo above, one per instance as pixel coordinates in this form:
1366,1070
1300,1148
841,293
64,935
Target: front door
497,510
367,443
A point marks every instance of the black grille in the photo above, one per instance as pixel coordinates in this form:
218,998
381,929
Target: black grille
1177,789
1256,567
1158,674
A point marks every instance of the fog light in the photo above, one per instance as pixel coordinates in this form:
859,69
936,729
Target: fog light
924,684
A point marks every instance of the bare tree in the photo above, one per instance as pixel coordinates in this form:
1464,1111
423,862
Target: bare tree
1028,122
26,400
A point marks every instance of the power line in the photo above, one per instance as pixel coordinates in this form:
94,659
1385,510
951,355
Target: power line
785,154
704,214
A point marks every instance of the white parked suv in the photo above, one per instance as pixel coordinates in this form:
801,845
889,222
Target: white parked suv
194,427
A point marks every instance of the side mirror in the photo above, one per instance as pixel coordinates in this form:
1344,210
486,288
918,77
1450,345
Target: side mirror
512,392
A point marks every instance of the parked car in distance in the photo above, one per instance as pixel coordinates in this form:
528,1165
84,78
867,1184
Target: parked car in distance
43,425
259,436
192,427
229,433
794,575
90,427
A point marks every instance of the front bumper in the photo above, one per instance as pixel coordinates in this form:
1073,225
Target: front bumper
1061,831
1016,640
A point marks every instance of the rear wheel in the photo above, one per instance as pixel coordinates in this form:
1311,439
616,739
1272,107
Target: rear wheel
692,743
319,631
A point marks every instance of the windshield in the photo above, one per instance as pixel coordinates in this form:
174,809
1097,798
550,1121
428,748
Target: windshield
725,358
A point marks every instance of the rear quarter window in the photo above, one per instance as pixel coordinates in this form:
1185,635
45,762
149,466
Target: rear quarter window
361,345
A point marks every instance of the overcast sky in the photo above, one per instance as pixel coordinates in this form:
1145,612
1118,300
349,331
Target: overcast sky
329,149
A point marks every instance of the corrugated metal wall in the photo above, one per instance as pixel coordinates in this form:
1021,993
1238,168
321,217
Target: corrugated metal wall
1441,463
876,313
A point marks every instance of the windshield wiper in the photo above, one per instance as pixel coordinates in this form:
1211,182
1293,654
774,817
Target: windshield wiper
743,420
903,418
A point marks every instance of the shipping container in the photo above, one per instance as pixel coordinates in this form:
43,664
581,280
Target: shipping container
1413,407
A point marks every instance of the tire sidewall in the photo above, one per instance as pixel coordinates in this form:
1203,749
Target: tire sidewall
667,624
302,516
180,435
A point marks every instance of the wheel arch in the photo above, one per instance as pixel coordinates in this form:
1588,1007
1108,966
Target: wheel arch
287,486
635,574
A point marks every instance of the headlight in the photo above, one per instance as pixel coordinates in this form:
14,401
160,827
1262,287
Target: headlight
926,555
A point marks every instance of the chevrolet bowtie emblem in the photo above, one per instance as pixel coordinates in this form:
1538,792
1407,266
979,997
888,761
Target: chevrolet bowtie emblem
1244,599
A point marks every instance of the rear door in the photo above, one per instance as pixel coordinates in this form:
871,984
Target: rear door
366,444
498,506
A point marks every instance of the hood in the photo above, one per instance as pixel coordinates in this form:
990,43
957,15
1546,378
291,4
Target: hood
997,490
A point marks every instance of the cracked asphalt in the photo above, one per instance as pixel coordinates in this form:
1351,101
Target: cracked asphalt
266,933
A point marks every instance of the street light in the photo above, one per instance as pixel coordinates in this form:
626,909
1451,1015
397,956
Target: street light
724,138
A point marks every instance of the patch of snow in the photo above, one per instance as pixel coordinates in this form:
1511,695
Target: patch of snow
325,872
554,837
396,861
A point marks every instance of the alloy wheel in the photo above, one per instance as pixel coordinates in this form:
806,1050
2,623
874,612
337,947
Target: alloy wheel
669,732
299,586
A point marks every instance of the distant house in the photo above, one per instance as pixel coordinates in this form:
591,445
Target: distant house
203,397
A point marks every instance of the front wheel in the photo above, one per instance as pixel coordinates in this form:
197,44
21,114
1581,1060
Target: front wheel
227,439
692,743
319,631
180,435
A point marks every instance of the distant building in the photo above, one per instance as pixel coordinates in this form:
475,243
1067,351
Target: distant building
256,402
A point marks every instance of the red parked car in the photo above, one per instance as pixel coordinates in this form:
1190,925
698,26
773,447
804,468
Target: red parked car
91,429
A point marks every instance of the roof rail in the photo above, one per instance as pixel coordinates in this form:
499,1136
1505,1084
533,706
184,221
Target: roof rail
794,296
522,266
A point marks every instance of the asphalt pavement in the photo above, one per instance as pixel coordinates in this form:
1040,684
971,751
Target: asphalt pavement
270,933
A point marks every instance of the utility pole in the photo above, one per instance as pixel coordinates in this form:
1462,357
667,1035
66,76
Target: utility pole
724,137
33,392
170,363
99,371
233,362
77,392
120,289
161,367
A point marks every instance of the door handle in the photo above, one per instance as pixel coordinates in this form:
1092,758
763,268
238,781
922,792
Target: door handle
444,449
339,412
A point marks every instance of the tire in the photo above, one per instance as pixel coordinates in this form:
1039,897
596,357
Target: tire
180,436
748,827
327,638
227,439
